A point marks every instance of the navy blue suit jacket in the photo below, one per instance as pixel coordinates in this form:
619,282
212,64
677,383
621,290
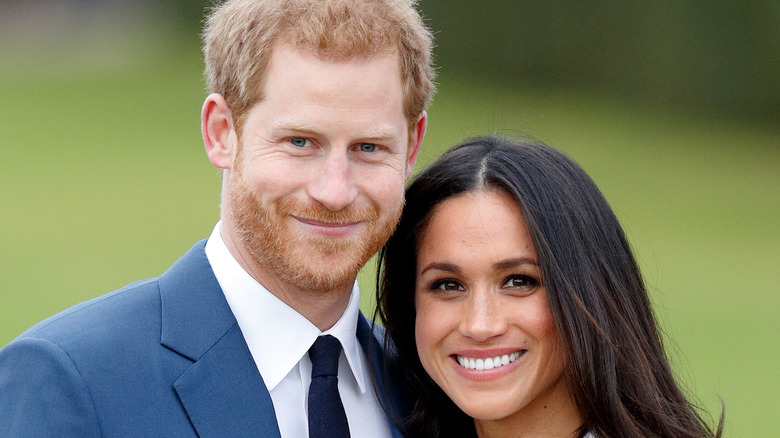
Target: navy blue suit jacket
159,357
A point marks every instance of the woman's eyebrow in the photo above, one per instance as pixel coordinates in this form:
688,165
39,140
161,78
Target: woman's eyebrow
514,262
441,266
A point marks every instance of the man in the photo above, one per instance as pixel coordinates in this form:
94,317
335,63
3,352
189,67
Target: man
315,119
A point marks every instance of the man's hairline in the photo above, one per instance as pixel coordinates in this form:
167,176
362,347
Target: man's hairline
310,49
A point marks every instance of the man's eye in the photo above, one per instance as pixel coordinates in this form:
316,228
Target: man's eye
298,141
367,147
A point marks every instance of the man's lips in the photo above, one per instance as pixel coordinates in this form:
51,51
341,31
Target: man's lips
330,229
318,223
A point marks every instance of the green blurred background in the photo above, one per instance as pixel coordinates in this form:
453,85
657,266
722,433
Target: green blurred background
673,107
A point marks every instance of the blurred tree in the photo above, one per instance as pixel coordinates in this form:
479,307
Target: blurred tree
719,55
189,12
715,55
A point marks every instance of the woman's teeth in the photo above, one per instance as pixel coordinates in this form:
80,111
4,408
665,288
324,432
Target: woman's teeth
489,363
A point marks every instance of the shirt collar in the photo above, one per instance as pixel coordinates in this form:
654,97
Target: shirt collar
276,334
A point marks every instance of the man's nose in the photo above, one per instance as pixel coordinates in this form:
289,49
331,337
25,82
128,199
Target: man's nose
332,184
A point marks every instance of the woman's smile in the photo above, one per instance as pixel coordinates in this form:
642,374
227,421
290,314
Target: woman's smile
484,331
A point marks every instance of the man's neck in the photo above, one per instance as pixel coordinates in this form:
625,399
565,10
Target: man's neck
322,307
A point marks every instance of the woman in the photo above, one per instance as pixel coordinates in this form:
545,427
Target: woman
517,307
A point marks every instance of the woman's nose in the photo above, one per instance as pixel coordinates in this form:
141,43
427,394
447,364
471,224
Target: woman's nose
484,318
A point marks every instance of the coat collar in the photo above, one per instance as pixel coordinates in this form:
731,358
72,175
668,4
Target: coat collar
384,374
222,391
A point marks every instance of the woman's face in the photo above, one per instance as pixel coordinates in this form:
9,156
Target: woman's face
484,330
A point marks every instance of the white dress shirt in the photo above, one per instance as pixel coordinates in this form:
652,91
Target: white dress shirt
279,339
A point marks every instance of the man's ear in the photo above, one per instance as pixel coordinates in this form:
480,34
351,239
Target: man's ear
415,142
219,134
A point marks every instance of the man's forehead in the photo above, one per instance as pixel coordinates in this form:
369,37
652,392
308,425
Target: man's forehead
338,54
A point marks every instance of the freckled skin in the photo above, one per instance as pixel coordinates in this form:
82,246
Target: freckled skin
314,184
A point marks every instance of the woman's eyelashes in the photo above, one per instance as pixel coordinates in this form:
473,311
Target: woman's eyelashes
521,282
446,285
515,284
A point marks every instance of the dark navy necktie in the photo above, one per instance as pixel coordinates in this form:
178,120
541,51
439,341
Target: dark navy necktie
327,418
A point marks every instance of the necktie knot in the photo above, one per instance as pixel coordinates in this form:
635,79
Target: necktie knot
324,356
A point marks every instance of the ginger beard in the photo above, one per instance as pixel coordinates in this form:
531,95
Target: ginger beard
308,262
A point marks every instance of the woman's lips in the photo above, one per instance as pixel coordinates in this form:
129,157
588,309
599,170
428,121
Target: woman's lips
482,366
487,363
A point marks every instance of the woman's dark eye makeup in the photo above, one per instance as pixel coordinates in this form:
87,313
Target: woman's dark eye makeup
446,284
525,281
519,282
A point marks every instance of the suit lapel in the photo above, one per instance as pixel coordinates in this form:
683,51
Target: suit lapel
383,373
224,394
222,391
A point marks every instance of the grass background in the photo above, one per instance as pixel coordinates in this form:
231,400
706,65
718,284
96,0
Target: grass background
104,181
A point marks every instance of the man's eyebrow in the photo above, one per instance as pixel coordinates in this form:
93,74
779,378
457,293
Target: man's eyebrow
381,133
293,126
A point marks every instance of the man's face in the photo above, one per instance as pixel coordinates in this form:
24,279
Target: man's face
317,185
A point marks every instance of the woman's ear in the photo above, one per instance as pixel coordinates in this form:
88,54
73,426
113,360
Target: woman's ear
219,134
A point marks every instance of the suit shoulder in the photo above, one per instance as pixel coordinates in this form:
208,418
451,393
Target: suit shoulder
101,316
31,368
123,310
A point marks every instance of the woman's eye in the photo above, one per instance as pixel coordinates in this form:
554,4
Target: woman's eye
299,141
367,147
520,281
447,285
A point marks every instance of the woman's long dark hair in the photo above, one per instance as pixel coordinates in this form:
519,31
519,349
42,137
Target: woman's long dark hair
619,376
